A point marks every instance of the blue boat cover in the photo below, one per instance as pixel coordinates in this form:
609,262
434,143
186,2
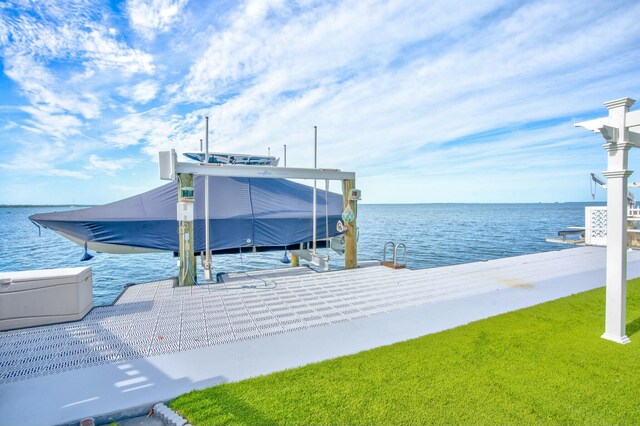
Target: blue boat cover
244,212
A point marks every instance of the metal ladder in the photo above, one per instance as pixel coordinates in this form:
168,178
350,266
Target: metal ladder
394,263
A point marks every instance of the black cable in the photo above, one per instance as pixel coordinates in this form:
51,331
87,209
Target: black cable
246,274
267,285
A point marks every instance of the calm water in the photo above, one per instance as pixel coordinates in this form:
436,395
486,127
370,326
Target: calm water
435,235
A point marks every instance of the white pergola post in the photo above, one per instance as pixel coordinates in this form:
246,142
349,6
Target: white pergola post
615,131
617,173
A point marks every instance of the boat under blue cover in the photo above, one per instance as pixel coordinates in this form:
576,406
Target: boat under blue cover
244,212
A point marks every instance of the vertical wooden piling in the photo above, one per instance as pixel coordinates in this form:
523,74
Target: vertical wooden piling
187,271
350,239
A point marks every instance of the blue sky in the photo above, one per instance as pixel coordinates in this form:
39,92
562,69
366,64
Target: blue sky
427,101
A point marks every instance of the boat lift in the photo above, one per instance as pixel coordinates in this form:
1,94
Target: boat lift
184,172
631,199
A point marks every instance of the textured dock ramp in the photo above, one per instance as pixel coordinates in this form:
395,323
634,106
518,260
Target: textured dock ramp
158,341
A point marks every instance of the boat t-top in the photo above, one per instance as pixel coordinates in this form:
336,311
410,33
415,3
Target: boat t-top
229,158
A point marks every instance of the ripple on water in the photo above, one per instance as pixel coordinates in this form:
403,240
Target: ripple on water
435,235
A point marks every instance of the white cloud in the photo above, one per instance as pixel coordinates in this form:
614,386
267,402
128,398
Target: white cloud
374,74
56,56
150,17
66,173
46,32
107,166
107,54
55,125
405,93
10,125
53,109
266,45
156,129
142,93
38,159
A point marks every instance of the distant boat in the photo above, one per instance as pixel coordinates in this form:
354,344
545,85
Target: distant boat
264,214
229,158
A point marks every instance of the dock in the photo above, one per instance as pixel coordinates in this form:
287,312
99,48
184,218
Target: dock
158,341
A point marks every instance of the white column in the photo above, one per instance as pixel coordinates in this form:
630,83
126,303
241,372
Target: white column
615,322
617,147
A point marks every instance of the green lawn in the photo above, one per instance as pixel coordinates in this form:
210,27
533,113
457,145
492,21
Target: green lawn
542,365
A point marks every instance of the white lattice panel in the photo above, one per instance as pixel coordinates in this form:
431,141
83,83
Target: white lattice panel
595,226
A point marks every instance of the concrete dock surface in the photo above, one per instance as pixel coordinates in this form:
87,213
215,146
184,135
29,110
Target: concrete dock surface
158,341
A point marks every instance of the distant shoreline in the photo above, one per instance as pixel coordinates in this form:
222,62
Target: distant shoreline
44,205
366,204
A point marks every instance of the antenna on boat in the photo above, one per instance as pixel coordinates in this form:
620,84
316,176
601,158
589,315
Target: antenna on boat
269,151
315,166
326,217
285,155
206,138
207,248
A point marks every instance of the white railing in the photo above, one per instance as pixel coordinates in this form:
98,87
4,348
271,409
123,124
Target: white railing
634,212
595,226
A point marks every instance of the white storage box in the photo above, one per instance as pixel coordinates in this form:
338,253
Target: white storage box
30,298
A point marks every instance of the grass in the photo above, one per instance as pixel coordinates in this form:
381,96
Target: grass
542,365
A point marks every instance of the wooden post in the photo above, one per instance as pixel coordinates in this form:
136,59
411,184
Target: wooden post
187,271
295,260
350,240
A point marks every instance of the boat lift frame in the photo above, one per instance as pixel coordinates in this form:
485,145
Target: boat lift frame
174,170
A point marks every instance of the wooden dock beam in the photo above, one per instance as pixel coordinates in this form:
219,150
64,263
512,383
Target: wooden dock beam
350,239
187,271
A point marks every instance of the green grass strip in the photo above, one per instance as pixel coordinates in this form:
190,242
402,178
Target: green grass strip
542,365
